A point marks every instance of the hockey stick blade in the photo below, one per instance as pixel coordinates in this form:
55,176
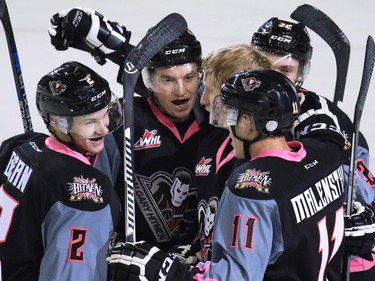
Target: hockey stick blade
328,30
16,67
365,83
156,39
167,30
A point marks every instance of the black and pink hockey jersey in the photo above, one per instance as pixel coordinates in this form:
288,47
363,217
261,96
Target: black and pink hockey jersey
57,212
280,217
215,160
164,162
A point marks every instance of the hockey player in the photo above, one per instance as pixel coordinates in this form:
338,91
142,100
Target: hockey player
289,48
168,126
168,123
281,214
58,212
215,155
215,150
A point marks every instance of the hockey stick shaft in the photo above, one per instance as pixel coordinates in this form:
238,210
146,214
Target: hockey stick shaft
16,67
365,83
327,29
167,30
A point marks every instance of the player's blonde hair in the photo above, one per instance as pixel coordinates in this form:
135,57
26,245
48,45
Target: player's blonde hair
224,62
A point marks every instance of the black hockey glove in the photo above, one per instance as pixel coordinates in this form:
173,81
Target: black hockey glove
140,261
88,30
360,231
317,120
189,254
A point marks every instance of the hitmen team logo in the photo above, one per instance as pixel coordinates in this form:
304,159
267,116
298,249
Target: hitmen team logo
168,203
57,87
150,139
257,179
206,218
82,188
249,84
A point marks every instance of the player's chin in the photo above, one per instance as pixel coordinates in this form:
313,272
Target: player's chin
181,115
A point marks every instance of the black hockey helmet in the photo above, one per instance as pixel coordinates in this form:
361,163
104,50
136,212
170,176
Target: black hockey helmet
268,95
184,49
281,36
73,89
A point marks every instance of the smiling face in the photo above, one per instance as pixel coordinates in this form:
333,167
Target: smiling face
175,90
88,130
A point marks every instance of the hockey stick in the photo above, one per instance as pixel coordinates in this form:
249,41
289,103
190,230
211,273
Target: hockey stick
366,78
16,67
168,29
327,29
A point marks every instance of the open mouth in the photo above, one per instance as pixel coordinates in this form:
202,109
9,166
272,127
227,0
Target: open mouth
180,102
96,139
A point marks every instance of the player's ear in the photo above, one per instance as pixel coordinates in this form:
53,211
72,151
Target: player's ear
246,121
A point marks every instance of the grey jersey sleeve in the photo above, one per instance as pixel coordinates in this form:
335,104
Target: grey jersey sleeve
247,239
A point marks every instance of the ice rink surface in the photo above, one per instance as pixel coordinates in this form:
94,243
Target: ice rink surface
216,23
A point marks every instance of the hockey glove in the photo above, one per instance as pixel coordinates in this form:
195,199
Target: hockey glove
188,254
88,30
317,120
140,261
360,231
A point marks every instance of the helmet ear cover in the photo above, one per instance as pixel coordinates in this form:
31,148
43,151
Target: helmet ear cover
267,95
61,123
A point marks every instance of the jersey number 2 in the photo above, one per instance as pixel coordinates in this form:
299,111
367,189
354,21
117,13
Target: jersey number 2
77,241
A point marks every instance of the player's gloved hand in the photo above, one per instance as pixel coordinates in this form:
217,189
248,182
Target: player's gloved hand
360,231
317,116
188,254
88,30
139,261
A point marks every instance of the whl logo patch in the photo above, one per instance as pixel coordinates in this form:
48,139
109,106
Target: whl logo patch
203,169
150,139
